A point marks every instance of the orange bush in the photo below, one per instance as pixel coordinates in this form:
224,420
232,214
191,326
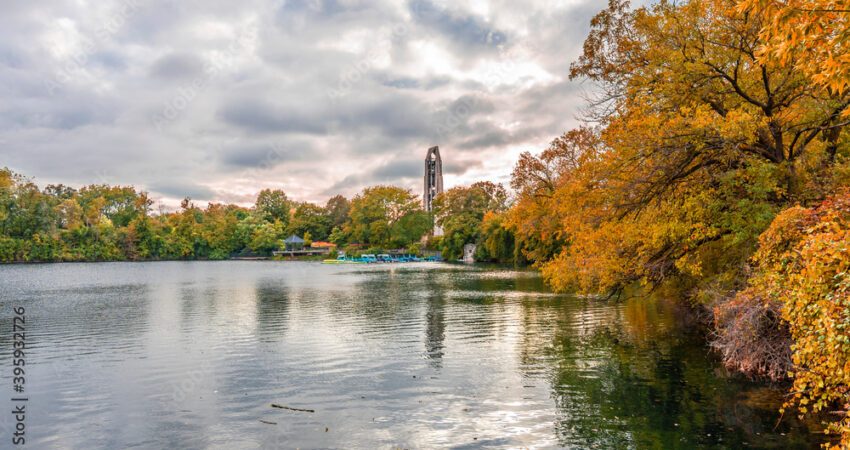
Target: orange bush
804,265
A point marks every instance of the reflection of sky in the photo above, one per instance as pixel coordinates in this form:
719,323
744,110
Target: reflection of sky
192,355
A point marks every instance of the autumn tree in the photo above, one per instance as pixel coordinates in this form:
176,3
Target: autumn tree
703,143
690,74
459,211
534,218
386,216
713,117
801,275
812,36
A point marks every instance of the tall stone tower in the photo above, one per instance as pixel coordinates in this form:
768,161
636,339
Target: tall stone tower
433,177
433,181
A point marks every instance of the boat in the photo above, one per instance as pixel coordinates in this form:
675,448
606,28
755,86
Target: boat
370,258
342,260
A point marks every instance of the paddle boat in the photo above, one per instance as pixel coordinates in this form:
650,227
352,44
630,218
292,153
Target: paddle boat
370,258
342,259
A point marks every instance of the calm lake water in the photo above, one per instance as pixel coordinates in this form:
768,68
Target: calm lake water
193,354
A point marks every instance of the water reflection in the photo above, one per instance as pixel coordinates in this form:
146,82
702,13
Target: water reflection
272,309
435,331
191,355
646,381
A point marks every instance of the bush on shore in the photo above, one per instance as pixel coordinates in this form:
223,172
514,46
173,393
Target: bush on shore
803,278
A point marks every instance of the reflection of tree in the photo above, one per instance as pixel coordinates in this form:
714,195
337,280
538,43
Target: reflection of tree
632,376
435,320
377,298
272,309
537,320
652,318
435,329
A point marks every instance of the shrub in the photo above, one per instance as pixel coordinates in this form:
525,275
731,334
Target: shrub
803,269
751,336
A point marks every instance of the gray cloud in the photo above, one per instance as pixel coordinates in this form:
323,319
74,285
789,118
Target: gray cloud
264,155
313,7
399,169
317,97
179,189
423,83
177,66
490,138
346,184
464,29
459,167
259,115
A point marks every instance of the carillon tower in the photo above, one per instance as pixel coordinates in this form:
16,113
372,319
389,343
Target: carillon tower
433,181
433,177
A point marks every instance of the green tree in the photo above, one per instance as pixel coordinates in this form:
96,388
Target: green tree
337,209
120,204
266,238
219,230
309,218
338,237
460,211
380,214
409,229
496,243
273,205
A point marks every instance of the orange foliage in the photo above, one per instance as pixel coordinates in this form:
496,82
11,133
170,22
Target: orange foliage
813,36
804,266
700,143
713,117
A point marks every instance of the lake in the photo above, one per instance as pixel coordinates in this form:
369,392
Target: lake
422,355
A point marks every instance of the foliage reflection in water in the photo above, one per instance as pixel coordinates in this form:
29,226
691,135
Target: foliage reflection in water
192,354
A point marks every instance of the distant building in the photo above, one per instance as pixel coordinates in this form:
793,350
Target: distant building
433,181
295,246
469,253
293,243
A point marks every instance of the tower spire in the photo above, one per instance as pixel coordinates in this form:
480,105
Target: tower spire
433,181
433,177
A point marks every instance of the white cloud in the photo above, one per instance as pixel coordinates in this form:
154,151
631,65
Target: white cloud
310,96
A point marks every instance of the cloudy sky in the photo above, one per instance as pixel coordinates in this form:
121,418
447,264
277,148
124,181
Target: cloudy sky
217,99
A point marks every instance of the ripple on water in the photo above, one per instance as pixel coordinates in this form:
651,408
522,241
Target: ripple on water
193,354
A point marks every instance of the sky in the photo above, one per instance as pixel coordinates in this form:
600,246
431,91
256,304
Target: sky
216,99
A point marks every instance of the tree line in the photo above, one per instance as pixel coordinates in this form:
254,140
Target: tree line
110,223
115,223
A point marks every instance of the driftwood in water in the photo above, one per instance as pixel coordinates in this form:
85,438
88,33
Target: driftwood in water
275,405
268,422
